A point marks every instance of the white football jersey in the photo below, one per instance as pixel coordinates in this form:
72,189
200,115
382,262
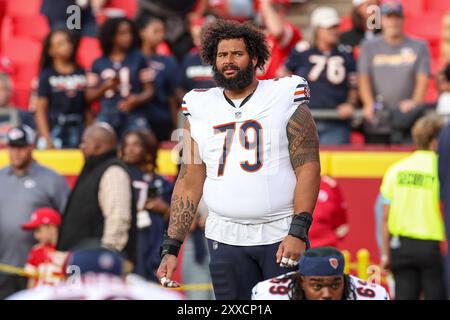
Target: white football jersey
278,289
98,287
250,179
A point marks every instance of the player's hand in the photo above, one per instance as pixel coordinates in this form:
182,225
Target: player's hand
289,251
407,105
368,113
166,270
345,110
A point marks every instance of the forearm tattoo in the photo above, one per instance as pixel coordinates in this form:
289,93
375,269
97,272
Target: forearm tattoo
303,138
182,213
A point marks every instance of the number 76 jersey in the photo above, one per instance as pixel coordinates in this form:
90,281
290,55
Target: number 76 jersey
250,179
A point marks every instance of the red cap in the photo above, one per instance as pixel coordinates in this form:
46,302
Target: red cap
43,216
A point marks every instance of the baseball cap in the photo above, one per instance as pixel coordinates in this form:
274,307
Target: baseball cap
43,216
322,262
392,7
96,260
325,17
20,136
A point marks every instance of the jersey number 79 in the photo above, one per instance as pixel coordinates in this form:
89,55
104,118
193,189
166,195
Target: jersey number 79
230,129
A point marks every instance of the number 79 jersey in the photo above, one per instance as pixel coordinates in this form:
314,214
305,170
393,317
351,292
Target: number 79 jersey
250,179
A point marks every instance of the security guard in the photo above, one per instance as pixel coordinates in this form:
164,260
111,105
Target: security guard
412,225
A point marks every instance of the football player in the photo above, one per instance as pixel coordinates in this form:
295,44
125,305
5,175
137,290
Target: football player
320,277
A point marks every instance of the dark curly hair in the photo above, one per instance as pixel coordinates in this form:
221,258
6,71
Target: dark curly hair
255,40
108,31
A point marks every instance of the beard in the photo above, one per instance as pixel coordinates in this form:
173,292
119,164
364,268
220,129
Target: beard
240,81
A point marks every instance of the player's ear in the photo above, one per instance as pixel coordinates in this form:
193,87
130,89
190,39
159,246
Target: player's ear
254,61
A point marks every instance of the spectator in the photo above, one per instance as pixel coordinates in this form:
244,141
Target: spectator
152,194
412,223
281,36
362,26
6,93
330,215
392,58
31,186
444,179
61,106
443,103
57,16
120,77
101,209
330,70
193,73
176,16
45,265
162,108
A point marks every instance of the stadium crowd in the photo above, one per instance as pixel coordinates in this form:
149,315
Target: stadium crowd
119,99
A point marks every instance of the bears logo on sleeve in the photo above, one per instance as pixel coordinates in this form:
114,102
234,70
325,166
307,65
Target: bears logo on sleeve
184,109
302,93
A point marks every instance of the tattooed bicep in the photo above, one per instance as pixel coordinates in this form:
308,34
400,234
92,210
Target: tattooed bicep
302,136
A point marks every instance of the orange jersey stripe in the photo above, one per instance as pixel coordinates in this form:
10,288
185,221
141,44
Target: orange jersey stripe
299,92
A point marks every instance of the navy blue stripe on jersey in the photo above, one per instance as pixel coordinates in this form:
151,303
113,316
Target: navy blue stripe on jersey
300,99
186,114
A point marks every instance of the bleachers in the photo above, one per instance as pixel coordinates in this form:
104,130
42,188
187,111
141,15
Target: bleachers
23,29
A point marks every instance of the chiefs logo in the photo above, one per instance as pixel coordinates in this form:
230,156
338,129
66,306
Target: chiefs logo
334,263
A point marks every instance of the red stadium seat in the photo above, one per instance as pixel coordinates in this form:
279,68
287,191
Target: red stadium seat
441,6
426,26
21,95
88,50
413,8
35,27
128,6
346,23
21,50
16,8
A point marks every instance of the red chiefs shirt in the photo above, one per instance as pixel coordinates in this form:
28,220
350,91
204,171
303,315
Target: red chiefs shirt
329,216
280,49
45,264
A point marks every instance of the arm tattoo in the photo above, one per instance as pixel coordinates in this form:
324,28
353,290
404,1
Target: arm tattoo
303,138
182,215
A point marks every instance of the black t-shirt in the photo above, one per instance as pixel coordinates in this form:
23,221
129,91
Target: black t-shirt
65,92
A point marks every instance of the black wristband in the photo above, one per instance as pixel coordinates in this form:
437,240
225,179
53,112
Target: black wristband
300,225
170,246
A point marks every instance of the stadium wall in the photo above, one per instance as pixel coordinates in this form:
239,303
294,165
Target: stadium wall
358,173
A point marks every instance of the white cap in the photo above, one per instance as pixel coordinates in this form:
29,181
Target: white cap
325,17
357,3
